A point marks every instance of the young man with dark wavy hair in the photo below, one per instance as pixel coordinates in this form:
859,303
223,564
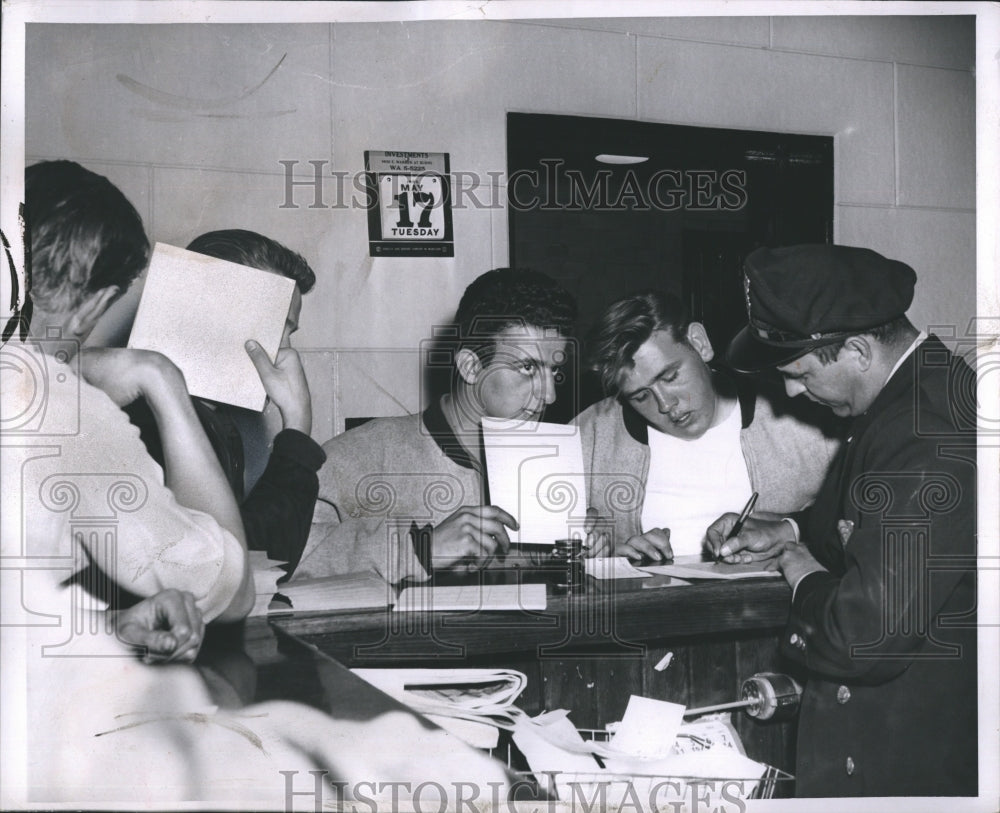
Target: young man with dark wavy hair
405,496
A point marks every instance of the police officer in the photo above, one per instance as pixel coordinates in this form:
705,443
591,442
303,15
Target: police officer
882,565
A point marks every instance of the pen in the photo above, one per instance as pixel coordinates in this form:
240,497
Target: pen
741,520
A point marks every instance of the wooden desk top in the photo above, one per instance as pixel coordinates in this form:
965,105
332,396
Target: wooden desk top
608,616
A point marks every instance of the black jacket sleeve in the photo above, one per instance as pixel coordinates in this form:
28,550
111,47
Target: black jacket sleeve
278,511
913,547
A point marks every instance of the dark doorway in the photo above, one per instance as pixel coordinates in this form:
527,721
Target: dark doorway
681,220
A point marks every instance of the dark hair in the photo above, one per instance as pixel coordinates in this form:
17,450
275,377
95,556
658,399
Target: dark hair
626,325
257,251
506,297
888,333
84,235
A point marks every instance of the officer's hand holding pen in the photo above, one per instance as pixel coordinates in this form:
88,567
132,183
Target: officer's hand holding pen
759,538
740,522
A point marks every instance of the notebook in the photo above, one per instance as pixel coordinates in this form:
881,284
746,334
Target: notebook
351,591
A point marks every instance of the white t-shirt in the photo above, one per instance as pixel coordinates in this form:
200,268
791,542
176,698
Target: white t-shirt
691,483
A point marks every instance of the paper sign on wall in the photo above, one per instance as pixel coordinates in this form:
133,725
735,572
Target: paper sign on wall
199,312
409,204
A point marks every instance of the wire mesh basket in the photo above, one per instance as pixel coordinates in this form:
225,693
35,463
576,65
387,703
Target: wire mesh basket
605,788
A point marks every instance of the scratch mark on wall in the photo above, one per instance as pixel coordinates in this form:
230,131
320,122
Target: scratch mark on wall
371,379
163,116
178,102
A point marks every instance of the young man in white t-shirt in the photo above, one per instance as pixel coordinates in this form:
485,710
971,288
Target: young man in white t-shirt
677,443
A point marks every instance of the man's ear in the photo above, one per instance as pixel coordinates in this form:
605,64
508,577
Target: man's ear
860,349
697,337
469,365
85,316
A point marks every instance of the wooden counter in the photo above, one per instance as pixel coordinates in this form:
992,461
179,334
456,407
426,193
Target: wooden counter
589,652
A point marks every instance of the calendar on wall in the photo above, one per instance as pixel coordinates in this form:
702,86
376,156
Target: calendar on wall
409,204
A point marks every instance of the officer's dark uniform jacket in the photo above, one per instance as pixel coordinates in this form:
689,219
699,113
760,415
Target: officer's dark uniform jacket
887,636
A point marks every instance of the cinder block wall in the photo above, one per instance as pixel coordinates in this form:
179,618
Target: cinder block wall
192,122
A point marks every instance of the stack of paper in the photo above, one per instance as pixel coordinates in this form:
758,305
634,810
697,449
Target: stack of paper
651,744
693,567
614,567
266,573
555,752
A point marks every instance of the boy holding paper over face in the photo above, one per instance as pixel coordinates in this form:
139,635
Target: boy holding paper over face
277,505
405,495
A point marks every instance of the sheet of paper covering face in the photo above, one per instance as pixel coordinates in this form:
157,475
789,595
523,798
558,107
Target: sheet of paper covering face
199,312
535,472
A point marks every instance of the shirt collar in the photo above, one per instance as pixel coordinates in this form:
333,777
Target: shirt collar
908,352
437,427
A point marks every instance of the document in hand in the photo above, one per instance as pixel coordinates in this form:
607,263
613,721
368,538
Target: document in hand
535,472
200,311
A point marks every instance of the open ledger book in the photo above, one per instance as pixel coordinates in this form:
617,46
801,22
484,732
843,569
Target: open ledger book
346,592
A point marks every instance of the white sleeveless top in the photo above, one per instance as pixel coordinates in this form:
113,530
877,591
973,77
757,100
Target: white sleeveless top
691,483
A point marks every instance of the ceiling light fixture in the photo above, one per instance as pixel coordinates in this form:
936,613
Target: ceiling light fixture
604,158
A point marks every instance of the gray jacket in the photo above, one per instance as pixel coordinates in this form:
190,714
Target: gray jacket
787,451
382,488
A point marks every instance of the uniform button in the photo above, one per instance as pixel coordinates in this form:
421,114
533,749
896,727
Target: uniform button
843,695
849,766
797,641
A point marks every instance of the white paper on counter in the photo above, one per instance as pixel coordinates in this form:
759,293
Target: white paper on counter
693,567
472,597
614,567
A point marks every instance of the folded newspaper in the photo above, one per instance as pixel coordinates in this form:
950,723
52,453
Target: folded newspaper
471,703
